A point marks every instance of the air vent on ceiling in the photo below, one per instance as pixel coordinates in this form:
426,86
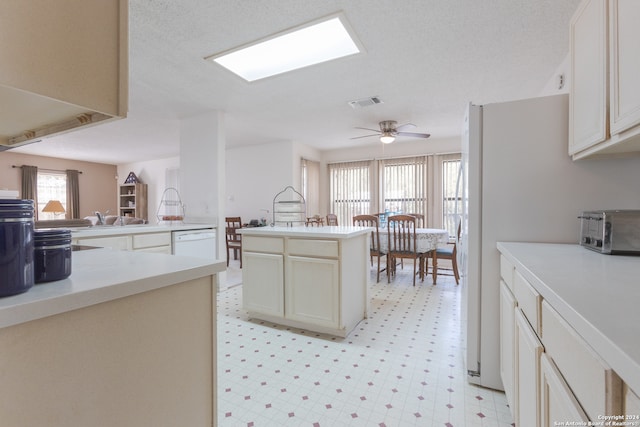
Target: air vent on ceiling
365,102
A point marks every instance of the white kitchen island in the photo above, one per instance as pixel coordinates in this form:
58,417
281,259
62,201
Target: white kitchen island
128,339
313,278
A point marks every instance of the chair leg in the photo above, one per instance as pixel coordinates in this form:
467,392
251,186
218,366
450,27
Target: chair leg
240,250
378,271
414,271
454,265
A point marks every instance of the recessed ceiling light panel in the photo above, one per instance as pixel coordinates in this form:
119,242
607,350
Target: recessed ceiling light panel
311,44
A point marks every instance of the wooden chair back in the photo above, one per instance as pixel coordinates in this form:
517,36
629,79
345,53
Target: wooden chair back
369,221
332,219
401,230
419,219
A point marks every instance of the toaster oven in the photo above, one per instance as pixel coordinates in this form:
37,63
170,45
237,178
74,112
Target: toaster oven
611,232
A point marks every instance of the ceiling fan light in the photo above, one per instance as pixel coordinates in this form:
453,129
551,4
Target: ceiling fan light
387,138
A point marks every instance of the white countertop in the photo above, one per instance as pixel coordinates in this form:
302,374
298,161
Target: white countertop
102,275
598,295
331,232
114,230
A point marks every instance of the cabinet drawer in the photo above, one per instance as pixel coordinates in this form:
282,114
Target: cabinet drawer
506,272
151,240
319,248
113,242
263,244
528,300
595,385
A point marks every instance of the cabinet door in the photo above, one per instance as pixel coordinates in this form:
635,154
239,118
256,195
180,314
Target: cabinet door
625,65
588,114
263,283
507,351
527,372
557,402
312,291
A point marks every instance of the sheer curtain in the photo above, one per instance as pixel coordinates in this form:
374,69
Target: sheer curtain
73,194
311,185
350,189
29,187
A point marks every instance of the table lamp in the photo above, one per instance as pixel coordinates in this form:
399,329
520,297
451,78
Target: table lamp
54,207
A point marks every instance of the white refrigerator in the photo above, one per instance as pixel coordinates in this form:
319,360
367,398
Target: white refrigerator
519,184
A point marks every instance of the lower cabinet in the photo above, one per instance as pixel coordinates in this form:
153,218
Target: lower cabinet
268,271
316,297
507,345
152,242
557,401
528,349
551,375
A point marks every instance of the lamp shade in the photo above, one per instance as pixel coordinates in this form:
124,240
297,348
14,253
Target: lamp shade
53,206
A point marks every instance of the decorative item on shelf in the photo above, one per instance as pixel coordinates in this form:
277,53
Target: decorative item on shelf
132,179
289,208
171,208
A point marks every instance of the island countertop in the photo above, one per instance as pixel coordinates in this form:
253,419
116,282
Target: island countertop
334,232
114,230
102,275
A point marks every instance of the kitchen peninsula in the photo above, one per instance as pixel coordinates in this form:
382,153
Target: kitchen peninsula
312,278
128,339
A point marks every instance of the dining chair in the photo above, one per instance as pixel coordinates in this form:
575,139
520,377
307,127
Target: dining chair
419,219
449,253
332,219
401,232
234,239
374,247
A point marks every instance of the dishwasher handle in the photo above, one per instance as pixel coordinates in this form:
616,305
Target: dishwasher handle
186,237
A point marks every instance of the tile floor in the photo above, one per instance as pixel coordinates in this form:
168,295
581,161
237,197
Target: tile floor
400,367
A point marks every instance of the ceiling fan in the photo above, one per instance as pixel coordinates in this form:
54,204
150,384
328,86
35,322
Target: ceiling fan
389,130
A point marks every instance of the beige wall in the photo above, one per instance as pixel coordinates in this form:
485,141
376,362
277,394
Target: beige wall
98,185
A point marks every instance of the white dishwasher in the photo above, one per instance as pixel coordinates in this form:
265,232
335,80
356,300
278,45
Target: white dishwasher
196,243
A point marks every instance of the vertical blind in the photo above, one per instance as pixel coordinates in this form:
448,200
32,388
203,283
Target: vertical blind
424,185
350,189
403,188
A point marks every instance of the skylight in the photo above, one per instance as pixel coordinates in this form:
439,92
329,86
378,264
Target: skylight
303,46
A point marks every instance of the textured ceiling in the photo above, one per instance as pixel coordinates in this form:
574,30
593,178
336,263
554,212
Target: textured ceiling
426,59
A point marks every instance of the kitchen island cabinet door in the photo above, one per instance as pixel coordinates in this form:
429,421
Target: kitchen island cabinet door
313,291
263,283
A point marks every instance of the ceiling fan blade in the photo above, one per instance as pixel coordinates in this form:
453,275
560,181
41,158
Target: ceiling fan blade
365,136
414,134
373,130
405,126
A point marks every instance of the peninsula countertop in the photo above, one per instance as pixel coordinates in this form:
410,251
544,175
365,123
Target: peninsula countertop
114,230
332,232
101,275
598,295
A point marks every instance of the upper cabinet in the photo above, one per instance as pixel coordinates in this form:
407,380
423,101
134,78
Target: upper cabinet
64,66
605,91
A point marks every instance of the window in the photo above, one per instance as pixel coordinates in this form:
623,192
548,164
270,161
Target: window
451,195
350,189
403,185
51,186
425,185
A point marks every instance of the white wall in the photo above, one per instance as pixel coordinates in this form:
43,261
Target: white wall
151,173
254,175
553,85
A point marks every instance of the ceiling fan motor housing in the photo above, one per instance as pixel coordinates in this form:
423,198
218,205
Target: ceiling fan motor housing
388,126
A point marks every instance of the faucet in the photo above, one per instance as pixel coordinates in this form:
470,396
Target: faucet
101,217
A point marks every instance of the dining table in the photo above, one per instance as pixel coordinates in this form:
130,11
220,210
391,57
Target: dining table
427,241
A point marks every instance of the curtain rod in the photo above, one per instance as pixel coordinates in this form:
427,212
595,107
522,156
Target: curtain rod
44,169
